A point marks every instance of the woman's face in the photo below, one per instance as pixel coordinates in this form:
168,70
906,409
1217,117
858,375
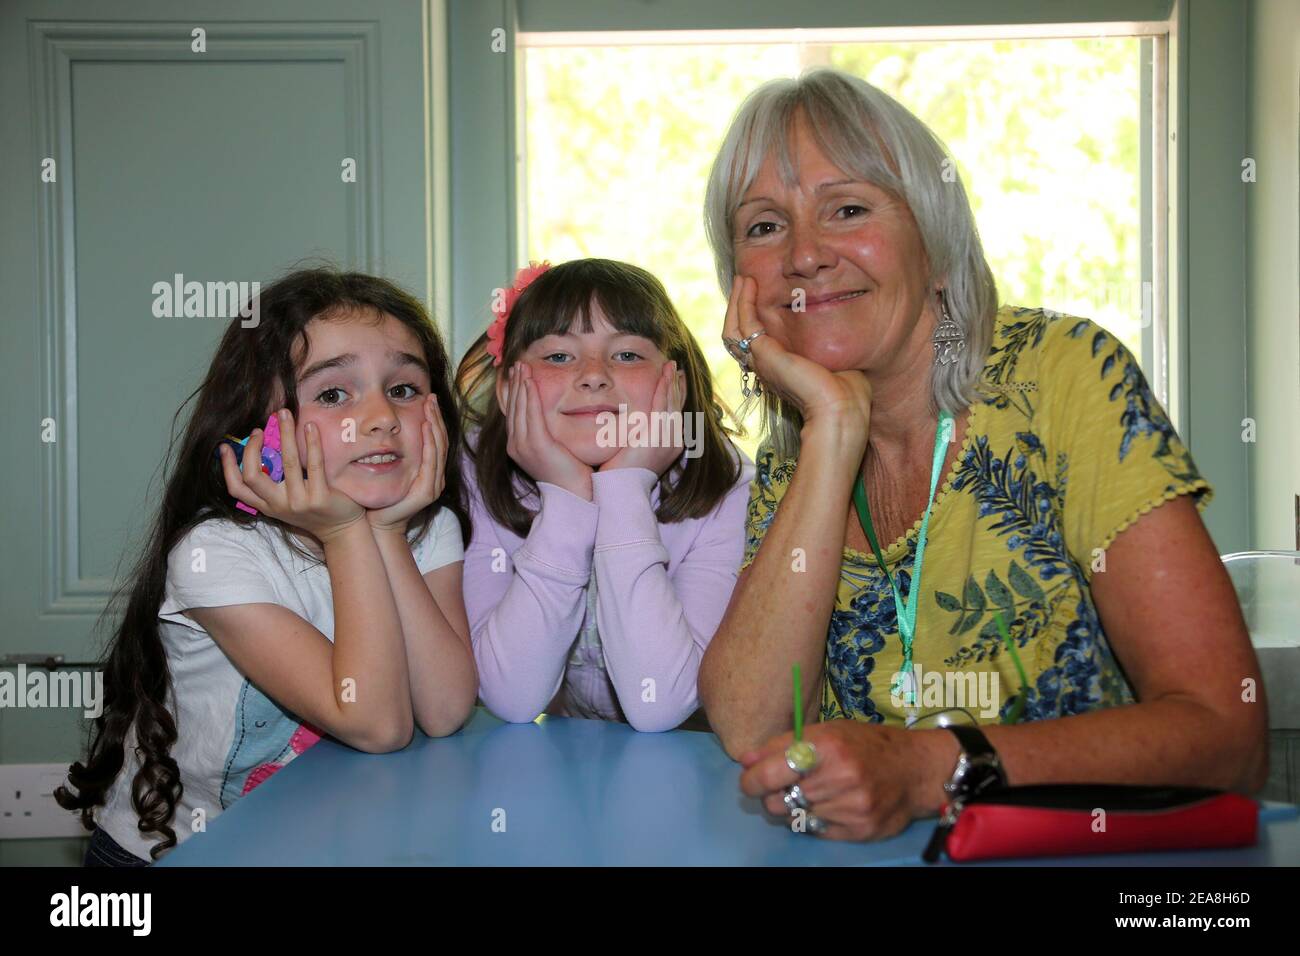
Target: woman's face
853,249
579,375
364,386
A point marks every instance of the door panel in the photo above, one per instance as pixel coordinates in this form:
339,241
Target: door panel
220,165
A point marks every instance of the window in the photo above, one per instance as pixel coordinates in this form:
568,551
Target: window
1051,134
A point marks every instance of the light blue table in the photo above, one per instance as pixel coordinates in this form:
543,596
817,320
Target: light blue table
564,792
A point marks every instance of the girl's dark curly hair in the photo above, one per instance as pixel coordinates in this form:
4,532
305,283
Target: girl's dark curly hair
254,371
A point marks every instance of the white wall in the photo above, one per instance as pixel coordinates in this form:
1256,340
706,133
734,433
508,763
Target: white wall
1273,271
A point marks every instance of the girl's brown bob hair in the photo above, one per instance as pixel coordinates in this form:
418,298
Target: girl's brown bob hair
635,303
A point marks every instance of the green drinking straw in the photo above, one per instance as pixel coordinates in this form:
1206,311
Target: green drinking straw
798,705
1018,707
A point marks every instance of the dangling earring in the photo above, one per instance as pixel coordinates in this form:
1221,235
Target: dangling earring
949,339
745,390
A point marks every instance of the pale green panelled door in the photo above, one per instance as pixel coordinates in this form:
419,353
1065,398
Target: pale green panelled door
133,153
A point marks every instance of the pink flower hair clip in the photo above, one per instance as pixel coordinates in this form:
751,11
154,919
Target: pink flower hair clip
496,333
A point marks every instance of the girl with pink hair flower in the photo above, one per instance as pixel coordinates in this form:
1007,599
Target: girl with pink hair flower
602,558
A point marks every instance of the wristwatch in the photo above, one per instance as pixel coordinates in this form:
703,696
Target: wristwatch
978,768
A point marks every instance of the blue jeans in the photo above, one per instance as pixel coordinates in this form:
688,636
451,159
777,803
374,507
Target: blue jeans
105,851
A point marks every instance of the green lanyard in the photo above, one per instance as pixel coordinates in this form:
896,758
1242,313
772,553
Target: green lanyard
907,609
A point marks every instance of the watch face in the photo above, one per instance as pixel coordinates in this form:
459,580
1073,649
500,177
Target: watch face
976,774
984,778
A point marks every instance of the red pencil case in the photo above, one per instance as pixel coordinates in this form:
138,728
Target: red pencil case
1078,819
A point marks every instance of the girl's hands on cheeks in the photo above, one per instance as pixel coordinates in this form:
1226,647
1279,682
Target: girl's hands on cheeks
309,503
529,442
825,399
658,458
429,481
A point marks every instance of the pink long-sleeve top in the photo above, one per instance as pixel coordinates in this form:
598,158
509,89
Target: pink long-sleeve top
601,611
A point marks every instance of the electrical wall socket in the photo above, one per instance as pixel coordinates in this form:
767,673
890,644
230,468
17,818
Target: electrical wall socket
27,807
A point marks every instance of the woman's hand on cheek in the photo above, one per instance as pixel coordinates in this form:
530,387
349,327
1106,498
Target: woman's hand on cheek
652,449
309,503
529,442
429,481
838,399
861,785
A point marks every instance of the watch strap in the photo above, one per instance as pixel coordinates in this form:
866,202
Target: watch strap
971,739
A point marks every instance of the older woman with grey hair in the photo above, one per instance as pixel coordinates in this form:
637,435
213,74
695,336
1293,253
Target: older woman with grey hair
972,527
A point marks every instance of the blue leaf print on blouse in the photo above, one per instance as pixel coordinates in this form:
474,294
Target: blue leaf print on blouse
857,635
1142,414
1026,512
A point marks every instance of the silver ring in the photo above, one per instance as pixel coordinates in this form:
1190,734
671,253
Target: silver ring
815,825
733,349
801,757
794,799
739,348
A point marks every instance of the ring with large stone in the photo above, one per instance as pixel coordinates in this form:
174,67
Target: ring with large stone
801,757
743,344
733,349
794,799
815,825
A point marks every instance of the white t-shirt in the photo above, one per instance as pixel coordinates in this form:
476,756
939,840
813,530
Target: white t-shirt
231,736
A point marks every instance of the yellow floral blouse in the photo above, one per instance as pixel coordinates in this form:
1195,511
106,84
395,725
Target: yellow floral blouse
1065,448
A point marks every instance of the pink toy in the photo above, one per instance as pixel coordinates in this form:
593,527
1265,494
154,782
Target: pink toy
272,462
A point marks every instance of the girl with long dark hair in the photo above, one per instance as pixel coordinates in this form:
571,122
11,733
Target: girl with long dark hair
262,613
